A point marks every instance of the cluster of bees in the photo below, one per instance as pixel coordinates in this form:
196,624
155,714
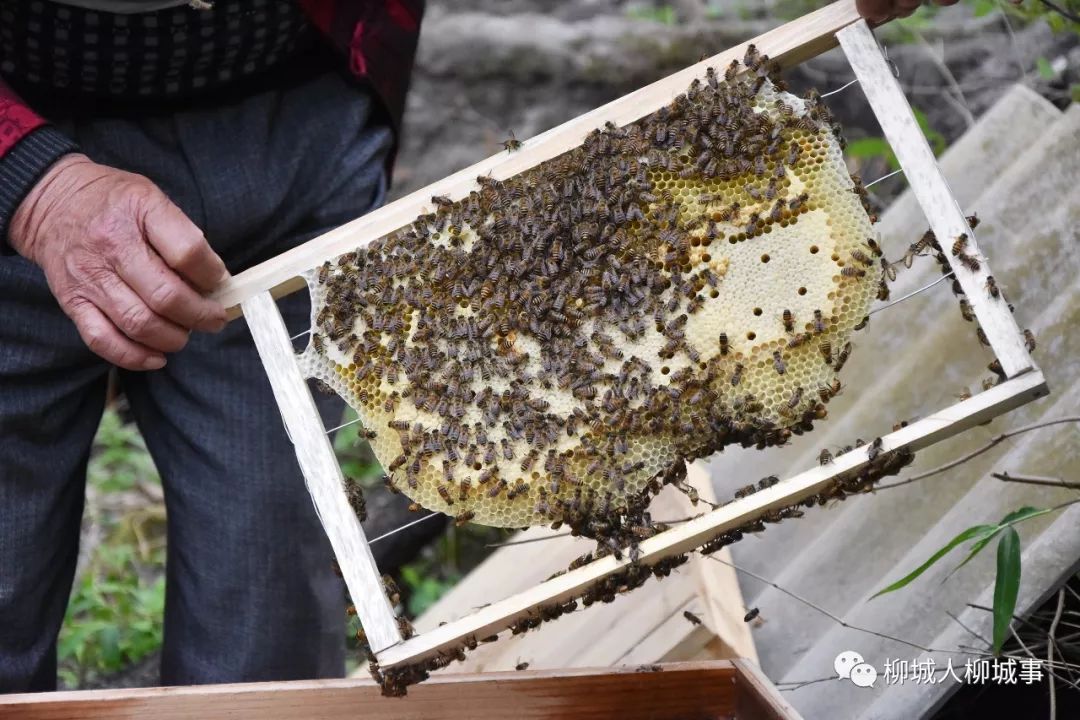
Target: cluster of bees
880,464
928,245
553,346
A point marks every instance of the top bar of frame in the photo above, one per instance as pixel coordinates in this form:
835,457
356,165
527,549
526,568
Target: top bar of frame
788,45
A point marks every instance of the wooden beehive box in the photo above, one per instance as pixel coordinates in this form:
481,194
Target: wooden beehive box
716,690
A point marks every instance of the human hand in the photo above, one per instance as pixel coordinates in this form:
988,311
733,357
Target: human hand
125,264
882,10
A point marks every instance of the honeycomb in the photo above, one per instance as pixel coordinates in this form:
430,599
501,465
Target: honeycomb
551,347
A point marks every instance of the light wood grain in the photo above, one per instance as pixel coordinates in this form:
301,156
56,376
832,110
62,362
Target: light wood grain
321,471
688,536
681,691
789,45
930,188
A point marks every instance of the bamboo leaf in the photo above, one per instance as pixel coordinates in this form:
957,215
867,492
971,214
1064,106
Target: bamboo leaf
1006,584
977,531
1023,513
976,548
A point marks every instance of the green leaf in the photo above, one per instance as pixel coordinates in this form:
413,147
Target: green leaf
972,532
1006,584
872,147
1015,516
1023,513
984,7
937,140
1046,72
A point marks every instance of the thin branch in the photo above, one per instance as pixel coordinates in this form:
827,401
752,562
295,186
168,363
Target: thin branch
1013,45
1050,644
970,631
975,453
1061,11
1049,666
959,102
1035,480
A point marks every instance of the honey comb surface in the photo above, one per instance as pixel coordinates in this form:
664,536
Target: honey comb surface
544,347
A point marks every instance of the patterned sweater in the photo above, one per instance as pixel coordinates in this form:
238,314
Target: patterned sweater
133,57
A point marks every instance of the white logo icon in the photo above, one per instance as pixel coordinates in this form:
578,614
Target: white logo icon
864,675
845,661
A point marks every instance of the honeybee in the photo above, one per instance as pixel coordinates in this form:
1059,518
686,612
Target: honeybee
778,362
960,244
789,321
1029,340
445,495
969,262
464,517
992,287
736,377
691,618
825,457
724,344
512,143
825,347
842,357
849,271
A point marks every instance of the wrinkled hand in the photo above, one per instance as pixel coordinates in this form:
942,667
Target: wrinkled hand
881,10
125,264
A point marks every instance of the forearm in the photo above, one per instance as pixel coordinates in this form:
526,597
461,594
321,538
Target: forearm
28,147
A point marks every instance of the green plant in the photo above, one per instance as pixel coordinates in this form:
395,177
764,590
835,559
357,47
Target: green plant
354,454
113,618
868,148
1007,578
664,14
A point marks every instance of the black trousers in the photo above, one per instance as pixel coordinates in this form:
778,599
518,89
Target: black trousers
250,590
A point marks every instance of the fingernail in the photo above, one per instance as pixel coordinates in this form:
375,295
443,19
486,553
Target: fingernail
154,363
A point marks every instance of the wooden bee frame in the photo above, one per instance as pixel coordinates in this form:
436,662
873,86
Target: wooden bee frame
252,292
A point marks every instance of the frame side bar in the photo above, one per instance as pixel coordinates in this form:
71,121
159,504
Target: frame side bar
688,536
321,471
788,44
887,100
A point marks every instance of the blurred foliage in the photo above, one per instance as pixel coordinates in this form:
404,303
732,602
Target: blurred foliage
877,147
357,460
664,14
114,616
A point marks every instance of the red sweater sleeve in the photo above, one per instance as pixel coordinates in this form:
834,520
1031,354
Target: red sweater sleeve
28,146
16,119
